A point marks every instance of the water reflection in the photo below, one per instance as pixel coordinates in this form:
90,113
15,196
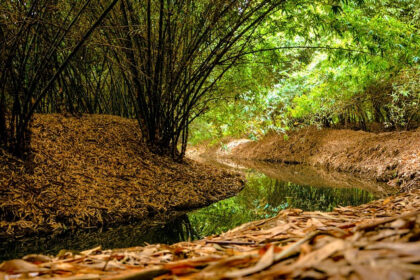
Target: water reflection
177,229
263,197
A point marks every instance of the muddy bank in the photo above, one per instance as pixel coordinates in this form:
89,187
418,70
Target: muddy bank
390,157
299,174
306,175
93,171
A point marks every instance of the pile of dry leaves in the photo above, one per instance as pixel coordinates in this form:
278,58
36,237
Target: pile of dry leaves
379,240
94,170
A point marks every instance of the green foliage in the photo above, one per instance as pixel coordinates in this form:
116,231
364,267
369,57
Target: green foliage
405,97
356,65
264,197
235,68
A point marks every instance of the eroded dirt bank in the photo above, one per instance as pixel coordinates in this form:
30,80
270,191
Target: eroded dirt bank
303,175
92,171
391,157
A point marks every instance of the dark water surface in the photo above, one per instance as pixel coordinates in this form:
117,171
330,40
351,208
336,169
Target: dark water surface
269,189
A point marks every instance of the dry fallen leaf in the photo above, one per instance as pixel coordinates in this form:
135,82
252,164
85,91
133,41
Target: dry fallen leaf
18,266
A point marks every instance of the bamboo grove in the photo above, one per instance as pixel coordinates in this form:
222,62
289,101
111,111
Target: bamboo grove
157,61
168,62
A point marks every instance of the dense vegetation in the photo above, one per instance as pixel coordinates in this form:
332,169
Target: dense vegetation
350,66
217,67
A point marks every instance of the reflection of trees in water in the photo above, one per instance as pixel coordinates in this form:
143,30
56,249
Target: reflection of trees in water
263,197
312,198
178,229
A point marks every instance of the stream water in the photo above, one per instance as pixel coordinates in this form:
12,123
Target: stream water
269,188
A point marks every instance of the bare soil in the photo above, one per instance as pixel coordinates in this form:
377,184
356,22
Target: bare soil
94,170
390,157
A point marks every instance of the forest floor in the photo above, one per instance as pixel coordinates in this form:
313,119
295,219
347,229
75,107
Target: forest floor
378,240
92,171
390,157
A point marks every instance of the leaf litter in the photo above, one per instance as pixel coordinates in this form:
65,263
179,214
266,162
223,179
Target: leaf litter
378,240
93,170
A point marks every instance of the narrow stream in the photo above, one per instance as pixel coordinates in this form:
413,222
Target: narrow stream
269,189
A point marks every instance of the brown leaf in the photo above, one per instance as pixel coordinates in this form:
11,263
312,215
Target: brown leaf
317,256
19,266
266,260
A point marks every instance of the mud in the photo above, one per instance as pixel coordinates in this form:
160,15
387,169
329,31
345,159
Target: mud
389,157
